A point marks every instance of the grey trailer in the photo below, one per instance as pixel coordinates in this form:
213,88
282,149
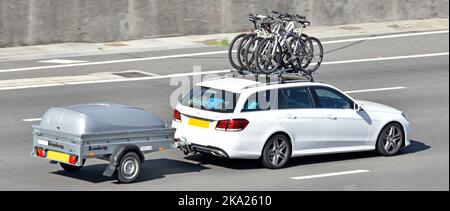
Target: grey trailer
116,133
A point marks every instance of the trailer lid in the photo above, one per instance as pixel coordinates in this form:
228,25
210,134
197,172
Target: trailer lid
98,118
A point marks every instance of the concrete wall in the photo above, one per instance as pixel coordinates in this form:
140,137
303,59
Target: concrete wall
30,22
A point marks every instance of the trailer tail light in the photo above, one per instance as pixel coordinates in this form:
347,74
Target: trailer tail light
40,152
176,116
232,125
73,159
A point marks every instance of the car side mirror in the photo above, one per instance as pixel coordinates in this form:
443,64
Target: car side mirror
357,107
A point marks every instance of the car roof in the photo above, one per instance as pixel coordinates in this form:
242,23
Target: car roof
236,85
229,84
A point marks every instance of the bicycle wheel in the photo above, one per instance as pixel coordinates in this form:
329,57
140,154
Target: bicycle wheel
268,56
232,56
287,52
313,54
241,51
250,54
298,47
295,45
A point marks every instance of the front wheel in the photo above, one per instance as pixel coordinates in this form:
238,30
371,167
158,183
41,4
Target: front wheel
249,57
268,56
312,54
276,152
390,140
129,168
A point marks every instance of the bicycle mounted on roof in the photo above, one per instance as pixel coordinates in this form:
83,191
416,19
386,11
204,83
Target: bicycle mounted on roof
276,47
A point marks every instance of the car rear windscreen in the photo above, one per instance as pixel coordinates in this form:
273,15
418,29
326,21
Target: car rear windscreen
210,99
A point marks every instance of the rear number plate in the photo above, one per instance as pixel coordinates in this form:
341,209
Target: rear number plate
198,123
58,156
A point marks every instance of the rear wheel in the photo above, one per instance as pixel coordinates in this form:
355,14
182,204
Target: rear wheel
249,57
129,168
276,152
241,50
390,140
234,45
71,168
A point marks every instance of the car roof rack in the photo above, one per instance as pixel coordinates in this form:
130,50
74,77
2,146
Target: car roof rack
279,77
282,76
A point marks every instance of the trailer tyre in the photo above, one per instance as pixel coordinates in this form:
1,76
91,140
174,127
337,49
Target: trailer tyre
70,168
129,167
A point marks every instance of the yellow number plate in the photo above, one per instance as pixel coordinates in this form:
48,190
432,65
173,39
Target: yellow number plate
199,123
58,156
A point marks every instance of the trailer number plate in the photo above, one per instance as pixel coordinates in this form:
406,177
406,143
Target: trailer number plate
58,156
199,123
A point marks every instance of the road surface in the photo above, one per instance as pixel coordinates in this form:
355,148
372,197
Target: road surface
408,72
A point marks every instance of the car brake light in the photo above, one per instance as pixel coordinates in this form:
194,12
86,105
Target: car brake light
40,152
176,115
73,159
232,125
222,125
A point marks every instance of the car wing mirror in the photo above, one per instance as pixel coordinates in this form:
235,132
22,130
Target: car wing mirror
357,107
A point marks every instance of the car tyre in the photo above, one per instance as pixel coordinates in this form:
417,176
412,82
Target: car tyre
390,140
129,168
276,152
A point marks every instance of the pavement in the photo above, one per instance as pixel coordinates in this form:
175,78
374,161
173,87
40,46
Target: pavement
405,66
196,41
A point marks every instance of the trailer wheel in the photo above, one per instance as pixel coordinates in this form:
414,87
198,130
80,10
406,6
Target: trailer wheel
70,168
129,167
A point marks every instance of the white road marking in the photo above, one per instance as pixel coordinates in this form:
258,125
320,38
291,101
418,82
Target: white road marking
152,78
31,86
386,37
110,80
204,53
139,71
32,120
387,58
55,81
352,91
330,174
112,61
62,61
95,78
375,90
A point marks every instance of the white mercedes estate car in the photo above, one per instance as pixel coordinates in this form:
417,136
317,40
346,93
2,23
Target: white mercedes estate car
239,118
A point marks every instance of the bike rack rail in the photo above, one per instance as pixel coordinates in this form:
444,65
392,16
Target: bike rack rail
280,76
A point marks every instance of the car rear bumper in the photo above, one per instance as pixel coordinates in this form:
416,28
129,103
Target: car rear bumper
210,150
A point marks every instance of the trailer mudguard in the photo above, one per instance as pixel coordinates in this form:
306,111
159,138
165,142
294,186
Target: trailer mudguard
117,155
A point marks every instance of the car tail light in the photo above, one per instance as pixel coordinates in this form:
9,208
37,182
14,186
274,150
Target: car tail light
40,152
232,125
222,125
73,159
176,115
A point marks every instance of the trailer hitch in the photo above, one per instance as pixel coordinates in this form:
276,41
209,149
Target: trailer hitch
184,145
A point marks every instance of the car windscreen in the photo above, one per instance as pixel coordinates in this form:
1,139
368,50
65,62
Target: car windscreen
210,99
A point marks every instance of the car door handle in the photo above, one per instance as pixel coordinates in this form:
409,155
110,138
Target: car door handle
332,117
290,117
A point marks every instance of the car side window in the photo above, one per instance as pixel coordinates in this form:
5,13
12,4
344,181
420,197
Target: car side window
330,98
258,101
295,98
